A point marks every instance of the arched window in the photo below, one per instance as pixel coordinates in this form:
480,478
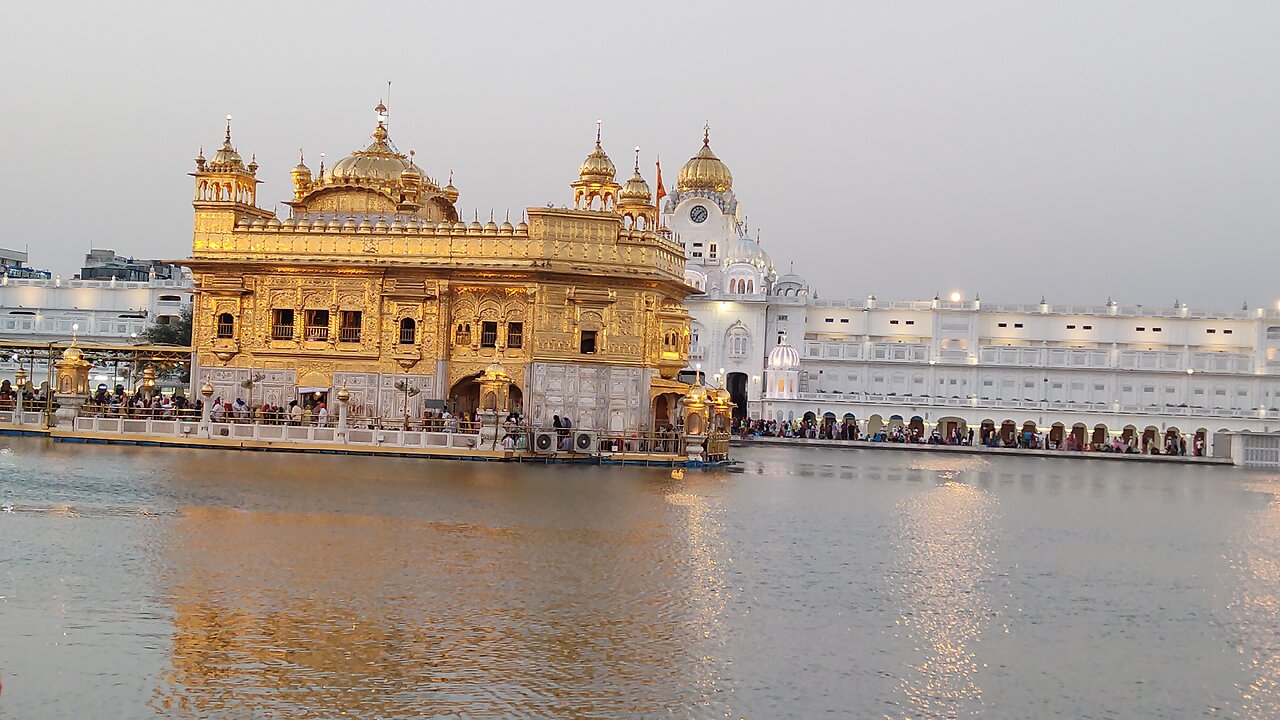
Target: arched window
463,334
738,342
408,331
226,326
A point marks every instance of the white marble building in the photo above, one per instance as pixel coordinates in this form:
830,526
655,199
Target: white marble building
1091,371
41,310
108,311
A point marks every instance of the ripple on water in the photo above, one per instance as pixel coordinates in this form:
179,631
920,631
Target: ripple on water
816,583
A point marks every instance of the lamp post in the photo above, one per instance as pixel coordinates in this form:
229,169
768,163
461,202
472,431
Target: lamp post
20,382
343,397
206,392
249,385
409,391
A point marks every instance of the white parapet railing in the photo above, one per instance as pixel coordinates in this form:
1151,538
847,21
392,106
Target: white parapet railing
34,419
283,434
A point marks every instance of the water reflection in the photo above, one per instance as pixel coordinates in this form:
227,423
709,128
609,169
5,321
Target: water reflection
326,614
946,547
816,583
1256,607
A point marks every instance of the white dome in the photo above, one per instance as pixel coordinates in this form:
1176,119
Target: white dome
748,251
784,357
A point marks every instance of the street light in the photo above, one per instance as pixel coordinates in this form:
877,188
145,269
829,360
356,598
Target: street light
409,391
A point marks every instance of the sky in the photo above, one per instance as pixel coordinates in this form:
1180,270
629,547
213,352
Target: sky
1072,150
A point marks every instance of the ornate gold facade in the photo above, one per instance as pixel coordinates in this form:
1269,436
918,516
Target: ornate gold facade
372,280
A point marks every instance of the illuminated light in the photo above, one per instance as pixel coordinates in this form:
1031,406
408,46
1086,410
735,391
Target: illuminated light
955,297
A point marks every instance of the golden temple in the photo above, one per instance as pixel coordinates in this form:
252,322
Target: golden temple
374,283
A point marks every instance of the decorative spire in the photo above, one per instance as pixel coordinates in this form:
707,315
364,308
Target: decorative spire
228,140
302,160
637,159
599,123
706,134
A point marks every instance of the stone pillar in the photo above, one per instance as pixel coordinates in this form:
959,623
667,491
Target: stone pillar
206,392
344,398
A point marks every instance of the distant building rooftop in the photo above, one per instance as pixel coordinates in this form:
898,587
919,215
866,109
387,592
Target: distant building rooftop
14,265
103,264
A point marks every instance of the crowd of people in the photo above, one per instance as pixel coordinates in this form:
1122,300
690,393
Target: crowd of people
33,397
121,403
1131,443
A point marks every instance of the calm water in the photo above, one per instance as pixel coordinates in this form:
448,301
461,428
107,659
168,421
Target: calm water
816,583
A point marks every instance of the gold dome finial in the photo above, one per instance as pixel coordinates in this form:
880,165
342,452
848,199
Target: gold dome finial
599,124
706,134
228,130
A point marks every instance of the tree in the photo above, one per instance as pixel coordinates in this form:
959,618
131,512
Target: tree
172,333
177,332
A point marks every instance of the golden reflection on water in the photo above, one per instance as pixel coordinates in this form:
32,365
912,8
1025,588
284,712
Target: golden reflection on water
330,614
1256,607
946,563
706,585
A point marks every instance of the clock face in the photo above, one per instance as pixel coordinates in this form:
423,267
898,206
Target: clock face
698,213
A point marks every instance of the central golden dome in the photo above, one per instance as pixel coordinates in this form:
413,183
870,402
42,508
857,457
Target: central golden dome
705,171
380,163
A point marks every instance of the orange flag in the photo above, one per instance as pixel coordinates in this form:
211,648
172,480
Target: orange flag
662,192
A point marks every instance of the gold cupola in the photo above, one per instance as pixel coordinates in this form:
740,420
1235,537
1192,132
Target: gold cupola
227,159
636,190
301,175
705,171
635,201
450,191
596,180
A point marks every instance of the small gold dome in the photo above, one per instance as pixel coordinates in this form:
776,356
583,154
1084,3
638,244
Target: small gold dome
226,158
705,171
636,190
72,353
597,167
450,192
